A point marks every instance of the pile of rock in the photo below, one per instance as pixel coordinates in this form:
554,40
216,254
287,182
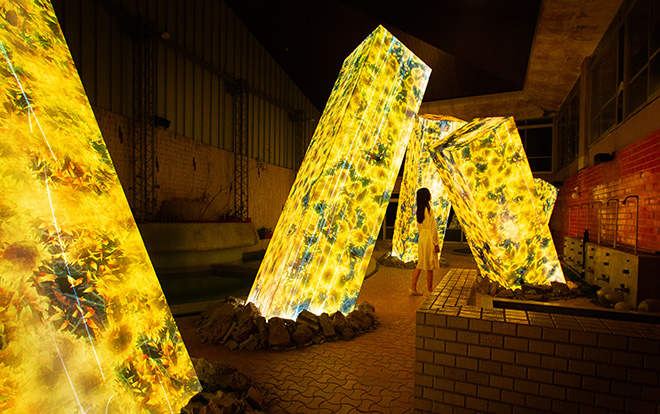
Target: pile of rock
240,326
224,391
543,293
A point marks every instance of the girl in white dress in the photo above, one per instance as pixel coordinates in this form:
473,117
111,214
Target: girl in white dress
427,244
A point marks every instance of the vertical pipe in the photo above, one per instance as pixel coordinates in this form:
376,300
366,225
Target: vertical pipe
636,218
597,217
616,218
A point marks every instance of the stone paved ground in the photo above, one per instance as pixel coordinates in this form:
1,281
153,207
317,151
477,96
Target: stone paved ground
373,373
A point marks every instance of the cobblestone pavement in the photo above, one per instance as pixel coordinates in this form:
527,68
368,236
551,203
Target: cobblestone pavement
373,373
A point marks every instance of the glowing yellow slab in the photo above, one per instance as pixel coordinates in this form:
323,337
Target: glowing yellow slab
320,250
546,194
419,172
84,326
490,185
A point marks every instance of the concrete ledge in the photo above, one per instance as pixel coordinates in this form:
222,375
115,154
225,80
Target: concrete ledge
512,360
196,246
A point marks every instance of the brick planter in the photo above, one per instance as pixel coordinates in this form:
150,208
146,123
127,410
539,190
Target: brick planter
472,359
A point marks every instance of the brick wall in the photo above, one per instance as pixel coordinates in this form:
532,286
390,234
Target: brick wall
195,180
635,171
484,360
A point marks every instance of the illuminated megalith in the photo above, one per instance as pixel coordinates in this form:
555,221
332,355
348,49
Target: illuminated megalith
546,194
321,246
84,325
420,171
490,185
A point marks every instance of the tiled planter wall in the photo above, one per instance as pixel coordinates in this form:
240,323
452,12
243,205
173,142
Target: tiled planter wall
471,359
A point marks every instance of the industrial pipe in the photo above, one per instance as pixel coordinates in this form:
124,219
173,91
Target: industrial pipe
616,218
636,218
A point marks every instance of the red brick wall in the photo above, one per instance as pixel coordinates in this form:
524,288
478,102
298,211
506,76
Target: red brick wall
635,171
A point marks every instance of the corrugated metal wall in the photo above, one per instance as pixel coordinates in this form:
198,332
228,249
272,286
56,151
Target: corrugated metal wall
208,47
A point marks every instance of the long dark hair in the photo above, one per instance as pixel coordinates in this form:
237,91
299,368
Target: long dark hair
423,202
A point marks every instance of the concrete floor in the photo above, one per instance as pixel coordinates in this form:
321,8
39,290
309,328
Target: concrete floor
372,373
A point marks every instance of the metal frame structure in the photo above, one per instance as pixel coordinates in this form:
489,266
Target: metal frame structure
144,196
239,91
298,117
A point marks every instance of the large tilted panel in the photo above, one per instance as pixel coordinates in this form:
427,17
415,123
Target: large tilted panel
546,194
419,172
490,185
84,326
318,256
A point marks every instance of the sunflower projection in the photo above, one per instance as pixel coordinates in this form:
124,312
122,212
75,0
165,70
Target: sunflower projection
490,185
84,326
321,246
546,196
419,172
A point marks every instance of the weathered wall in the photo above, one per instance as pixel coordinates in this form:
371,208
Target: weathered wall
200,49
194,180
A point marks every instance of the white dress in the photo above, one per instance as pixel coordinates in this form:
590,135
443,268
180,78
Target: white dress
428,239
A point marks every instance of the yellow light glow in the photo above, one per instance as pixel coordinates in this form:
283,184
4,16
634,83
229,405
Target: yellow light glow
503,213
320,250
419,172
84,326
546,194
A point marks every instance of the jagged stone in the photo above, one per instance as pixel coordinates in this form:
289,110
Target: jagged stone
649,305
247,313
193,407
251,343
262,327
243,331
366,307
255,398
290,325
211,374
358,317
302,335
483,286
221,404
539,297
309,319
339,321
216,332
560,289
239,382
326,325
231,344
214,327
348,333
572,285
278,334
494,288
230,331
577,292
225,390
318,339
235,301
544,288
506,293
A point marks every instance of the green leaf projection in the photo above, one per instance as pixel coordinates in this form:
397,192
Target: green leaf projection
421,172
84,325
320,250
503,210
